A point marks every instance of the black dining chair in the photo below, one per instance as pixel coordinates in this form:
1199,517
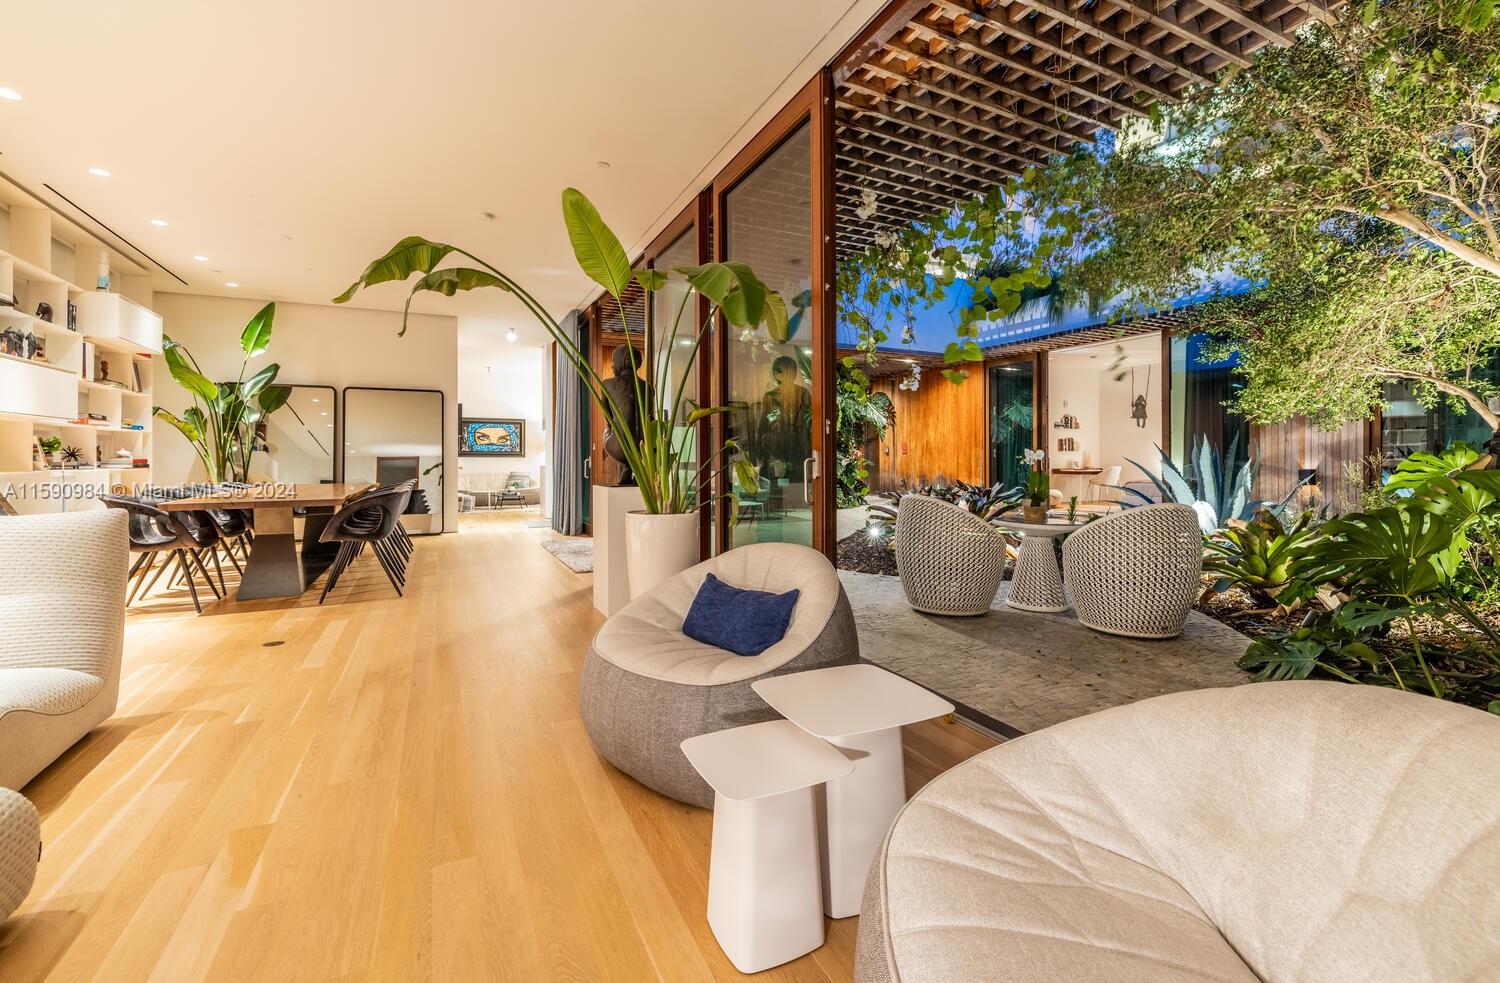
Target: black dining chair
369,519
153,532
199,525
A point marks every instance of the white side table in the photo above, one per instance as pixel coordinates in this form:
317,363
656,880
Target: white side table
765,903
1036,584
860,709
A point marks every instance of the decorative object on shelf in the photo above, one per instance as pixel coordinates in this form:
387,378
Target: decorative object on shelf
1038,486
6,300
72,316
220,425
11,342
44,312
491,438
1069,422
39,348
1067,444
136,370
72,455
101,370
98,418
102,282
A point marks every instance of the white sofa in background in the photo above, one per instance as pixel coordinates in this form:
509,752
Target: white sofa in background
486,486
1290,831
62,624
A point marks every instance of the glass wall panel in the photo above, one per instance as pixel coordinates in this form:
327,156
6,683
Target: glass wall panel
768,225
1012,422
1407,426
674,328
1201,391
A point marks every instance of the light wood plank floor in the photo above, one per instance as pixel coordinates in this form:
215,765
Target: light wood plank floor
378,789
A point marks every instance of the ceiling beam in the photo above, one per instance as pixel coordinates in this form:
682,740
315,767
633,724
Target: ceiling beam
891,22
1026,32
860,159
1180,27
1235,11
948,63
1122,39
923,198
968,159
1004,60
919,104
852,140
944,133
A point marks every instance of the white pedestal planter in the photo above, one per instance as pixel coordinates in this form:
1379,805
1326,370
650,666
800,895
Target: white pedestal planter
611,504
658,547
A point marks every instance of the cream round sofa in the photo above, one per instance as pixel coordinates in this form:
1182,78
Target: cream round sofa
1290,831
647,687
20,840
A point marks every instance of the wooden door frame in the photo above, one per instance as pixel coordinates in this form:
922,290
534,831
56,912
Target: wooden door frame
694,218
812,105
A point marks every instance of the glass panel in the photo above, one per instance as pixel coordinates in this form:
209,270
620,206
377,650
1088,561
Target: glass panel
1407,426
768,224
1012,421
673,337
294,445
391,435
1200,390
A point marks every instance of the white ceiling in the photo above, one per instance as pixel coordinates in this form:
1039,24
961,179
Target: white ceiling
292,142
1136,349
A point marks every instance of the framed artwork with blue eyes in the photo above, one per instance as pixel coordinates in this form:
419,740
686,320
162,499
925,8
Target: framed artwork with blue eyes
491,438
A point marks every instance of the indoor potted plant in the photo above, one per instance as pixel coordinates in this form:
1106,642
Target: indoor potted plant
662,539
1038,487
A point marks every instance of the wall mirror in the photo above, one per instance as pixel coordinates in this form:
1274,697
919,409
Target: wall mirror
294,445
393,435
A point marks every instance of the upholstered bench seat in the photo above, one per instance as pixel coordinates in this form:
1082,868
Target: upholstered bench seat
647,687
1292,831
20,839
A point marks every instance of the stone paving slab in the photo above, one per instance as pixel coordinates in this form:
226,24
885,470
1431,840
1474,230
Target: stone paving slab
1029,670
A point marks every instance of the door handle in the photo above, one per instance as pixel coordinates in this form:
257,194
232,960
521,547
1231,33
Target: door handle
807,482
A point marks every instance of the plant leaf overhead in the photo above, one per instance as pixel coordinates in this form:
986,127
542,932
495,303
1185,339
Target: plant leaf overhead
449,281
256,337
413,254
596,248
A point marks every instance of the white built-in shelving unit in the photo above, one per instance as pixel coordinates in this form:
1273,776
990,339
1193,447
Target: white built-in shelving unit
106,367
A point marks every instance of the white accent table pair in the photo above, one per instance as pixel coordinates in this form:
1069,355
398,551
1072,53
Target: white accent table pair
801,805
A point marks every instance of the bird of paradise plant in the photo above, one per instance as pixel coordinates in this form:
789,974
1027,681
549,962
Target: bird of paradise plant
662,460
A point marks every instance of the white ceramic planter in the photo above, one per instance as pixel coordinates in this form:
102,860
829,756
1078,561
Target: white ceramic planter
658,547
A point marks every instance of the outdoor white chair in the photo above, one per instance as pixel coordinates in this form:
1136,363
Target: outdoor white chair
951,561
1102,486
1137,572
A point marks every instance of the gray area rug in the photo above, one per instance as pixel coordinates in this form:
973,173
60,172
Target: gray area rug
538,524
575,554
1027,670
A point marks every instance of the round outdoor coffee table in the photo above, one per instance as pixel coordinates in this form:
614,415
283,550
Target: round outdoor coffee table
1037,583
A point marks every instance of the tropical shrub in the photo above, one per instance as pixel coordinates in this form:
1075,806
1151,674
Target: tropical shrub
987,503
861,414
1259,555
1218,488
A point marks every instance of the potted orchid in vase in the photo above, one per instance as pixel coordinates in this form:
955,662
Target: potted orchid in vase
662,538
1038,487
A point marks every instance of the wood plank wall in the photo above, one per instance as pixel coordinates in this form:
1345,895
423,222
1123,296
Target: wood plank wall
939,429
1286,448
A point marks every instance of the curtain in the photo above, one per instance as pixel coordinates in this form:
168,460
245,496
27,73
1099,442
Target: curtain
566,452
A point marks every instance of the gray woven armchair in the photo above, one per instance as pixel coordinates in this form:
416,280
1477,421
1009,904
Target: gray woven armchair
951,561
647,687
1136,573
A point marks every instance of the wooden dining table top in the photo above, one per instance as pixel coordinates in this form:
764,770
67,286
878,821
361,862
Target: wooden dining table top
271,496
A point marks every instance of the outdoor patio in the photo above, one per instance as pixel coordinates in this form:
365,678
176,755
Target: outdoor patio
1018,671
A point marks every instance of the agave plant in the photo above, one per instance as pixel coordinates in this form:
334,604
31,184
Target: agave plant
662,461
1218,488
1259,556
220,425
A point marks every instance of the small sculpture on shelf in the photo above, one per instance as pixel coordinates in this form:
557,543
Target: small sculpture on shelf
72,455
44,312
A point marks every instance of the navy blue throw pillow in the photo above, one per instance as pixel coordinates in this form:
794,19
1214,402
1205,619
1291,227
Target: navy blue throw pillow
746,622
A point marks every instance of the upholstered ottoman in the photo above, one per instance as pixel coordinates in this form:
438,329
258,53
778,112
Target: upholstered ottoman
1306,831
647,687
20,842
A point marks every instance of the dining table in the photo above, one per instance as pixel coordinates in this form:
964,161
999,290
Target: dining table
275,568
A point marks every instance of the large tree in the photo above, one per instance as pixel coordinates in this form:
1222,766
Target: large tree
1352,174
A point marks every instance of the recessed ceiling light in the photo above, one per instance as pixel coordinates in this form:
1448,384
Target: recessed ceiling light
98,172
201,259
160,222
317,400
325,412
10,94
231,283
511,335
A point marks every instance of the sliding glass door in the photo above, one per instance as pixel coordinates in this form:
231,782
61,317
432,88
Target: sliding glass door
773,214
1012,424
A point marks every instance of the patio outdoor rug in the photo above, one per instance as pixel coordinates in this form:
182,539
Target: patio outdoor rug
575,554
1025,671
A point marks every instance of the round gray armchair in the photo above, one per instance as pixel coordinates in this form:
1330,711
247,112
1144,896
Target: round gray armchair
647,687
